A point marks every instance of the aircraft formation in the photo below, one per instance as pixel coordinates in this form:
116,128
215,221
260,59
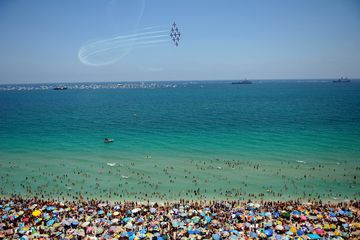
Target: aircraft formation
175,34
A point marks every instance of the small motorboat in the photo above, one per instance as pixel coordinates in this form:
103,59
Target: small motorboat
108,140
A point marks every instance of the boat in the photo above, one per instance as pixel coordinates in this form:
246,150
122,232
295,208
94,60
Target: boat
108,140
242,82
59,88
342,80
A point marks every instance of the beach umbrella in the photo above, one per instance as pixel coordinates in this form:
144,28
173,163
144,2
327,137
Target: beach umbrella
75,223
196,219
50,222
300,232
285,214
50,208
175,223
296,212
85,224
136,210
216,236
314,236
99,230
268,224
320,231
279,227
36,213
129,225
100,212
268,232
303,218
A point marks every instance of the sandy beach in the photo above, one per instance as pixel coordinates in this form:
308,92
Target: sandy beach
39,219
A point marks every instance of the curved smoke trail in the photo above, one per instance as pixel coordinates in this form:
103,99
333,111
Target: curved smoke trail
111,50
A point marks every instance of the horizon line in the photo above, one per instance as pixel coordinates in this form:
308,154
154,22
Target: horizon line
194,80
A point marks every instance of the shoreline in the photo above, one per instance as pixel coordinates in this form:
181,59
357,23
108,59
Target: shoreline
187,200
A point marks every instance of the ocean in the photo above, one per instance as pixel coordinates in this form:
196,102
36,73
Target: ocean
210,140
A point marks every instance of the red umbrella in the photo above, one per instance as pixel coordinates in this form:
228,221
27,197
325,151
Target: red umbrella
320,231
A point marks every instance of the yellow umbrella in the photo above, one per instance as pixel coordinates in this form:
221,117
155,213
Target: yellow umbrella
337,233
36,213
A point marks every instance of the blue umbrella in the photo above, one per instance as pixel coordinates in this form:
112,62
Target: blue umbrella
196,231
75,223
314,236
101,212
50,208
295,212
268,232
300,232
253,235
216,236
50,222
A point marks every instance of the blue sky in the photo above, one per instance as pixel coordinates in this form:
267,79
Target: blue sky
221,40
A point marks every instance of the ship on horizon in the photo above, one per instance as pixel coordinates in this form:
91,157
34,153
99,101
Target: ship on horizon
342,80
242,82
60,88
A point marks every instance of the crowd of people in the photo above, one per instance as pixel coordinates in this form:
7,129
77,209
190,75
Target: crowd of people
44,219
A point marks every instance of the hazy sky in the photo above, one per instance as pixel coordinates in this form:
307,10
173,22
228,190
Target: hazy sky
268,39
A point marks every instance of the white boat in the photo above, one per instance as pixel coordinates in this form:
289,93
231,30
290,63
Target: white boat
108,140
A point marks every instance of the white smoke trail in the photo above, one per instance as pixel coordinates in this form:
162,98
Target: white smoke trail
111,50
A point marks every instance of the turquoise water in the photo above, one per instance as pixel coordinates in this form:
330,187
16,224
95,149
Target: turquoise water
214,140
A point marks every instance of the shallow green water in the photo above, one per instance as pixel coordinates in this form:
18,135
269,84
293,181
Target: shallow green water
217,139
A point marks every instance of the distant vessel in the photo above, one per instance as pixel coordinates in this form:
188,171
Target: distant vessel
242,82
342,80
108,140
59,88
